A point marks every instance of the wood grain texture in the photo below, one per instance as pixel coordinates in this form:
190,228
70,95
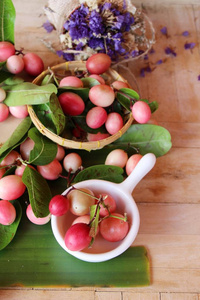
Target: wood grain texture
169,197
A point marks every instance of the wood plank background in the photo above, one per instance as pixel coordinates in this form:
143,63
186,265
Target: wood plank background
168,197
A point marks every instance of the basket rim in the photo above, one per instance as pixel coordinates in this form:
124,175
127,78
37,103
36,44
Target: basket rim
67,143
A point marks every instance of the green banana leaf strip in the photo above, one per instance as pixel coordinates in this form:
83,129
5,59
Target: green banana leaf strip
147,138
38,191
28,93
44,150
7,21
16,138
104,172
7,232
34,259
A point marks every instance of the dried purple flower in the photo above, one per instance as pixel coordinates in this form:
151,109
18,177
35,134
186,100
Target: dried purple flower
152,50
159,62
142,72
163,30
107,28
96,23
185,33
189,46
169,51
66,56
48,26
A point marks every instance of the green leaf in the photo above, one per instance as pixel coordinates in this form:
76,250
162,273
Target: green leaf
4,75
104,172
47,79
13,80
10,171
147,138
89,82
16,138
44,150
43,113
94,209
28,93
81,122
124,101
7,232
39,192
82,92
7,21
57,114
153,106
131,93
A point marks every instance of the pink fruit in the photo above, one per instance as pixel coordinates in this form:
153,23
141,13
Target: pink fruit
7,212
11,187
141,112
34,219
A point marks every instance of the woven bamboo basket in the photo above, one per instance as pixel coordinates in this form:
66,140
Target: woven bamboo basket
62,70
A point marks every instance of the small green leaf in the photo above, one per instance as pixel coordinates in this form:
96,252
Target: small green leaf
89,82
94,217
28,93
57,114
44,115
4,75
82,92
104,172
13,80
7,21
44,150
153,106
124,101
16,138
39,192
47,79
147,138
131,93
7,232
10,171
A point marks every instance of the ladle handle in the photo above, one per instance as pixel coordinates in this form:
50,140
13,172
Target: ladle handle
145,164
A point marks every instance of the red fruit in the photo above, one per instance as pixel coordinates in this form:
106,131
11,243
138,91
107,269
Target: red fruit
59,205
98,63
77,237
71,103
6,50
33,64
113,229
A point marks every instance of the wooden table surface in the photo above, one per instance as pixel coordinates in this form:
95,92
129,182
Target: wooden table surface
169,197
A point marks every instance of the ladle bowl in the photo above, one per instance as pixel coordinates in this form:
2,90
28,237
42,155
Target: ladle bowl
101,249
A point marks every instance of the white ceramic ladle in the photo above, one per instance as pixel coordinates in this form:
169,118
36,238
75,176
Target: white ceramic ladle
101,249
